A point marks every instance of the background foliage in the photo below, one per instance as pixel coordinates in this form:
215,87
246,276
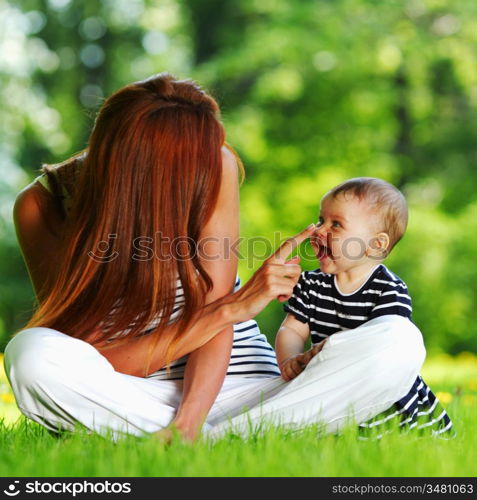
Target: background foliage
312,92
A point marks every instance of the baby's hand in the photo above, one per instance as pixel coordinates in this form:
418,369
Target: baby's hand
294,365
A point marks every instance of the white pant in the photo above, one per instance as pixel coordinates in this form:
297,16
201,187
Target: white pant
60,381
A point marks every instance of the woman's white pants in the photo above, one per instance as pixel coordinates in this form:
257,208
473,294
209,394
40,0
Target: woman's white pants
61,382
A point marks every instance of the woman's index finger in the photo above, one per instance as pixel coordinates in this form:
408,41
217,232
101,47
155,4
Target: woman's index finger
287,247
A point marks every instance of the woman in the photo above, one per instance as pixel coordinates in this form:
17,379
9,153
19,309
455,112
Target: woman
142,325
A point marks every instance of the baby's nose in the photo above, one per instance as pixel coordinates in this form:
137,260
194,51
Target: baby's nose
320,230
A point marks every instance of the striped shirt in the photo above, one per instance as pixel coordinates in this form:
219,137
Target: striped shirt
252,355
318,302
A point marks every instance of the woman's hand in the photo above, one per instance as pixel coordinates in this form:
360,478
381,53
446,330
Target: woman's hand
275,279
174,432
293,366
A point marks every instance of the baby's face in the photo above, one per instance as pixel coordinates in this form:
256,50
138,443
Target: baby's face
345,233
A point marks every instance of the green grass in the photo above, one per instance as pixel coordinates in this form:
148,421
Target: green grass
26,449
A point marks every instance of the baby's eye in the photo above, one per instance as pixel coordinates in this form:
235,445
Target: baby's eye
335,223
320,221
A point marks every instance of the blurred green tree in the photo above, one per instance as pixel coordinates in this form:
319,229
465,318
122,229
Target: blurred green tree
312,92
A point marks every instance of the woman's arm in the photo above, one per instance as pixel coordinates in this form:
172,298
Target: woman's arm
38,244
206,366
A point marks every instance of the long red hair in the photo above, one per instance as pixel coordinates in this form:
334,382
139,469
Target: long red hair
152,167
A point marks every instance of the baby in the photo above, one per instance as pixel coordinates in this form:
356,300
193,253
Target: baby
360,222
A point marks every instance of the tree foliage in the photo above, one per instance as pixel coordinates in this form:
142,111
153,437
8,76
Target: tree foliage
312,92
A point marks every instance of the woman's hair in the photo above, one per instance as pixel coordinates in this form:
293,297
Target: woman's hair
150,177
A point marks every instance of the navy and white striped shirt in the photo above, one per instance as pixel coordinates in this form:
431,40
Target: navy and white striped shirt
317,301
252,355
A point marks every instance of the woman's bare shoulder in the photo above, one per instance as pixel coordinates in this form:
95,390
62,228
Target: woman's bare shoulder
34,210
229,161
31,197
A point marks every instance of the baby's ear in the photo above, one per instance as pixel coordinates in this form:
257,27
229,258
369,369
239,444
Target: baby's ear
378,246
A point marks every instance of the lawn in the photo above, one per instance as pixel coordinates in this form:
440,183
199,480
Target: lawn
28,450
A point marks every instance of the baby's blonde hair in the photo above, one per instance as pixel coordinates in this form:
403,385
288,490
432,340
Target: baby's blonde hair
386,199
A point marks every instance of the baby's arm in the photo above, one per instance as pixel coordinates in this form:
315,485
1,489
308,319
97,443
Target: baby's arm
289,346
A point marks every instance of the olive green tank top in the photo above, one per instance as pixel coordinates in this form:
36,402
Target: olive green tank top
66,176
